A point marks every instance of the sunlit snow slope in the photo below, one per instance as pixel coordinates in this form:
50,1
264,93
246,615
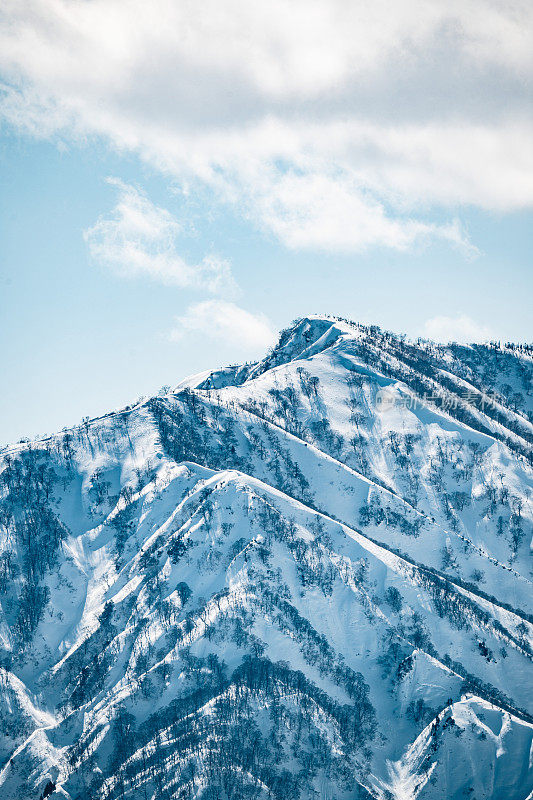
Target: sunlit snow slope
303,578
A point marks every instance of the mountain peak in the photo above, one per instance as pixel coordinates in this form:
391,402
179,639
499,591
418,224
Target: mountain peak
272,584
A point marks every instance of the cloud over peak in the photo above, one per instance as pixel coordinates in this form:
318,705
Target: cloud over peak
228,323
376,115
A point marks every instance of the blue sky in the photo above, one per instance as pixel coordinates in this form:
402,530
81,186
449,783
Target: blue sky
174,191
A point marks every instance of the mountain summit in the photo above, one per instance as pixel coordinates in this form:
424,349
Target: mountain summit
307,577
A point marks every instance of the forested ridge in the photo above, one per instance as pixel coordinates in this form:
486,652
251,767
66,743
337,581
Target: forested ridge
307,577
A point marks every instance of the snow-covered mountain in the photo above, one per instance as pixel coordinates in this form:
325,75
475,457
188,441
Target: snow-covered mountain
303,578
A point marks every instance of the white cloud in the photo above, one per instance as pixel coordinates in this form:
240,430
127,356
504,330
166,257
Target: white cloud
228,323
361,111
333,213
139,238
460,329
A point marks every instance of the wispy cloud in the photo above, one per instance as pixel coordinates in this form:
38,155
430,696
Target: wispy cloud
351,125
333,213
139,238
462,329
223,321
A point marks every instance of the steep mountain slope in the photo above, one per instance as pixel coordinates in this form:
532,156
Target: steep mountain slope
303,578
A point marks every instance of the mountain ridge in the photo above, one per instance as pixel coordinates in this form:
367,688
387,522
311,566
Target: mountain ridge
304,577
